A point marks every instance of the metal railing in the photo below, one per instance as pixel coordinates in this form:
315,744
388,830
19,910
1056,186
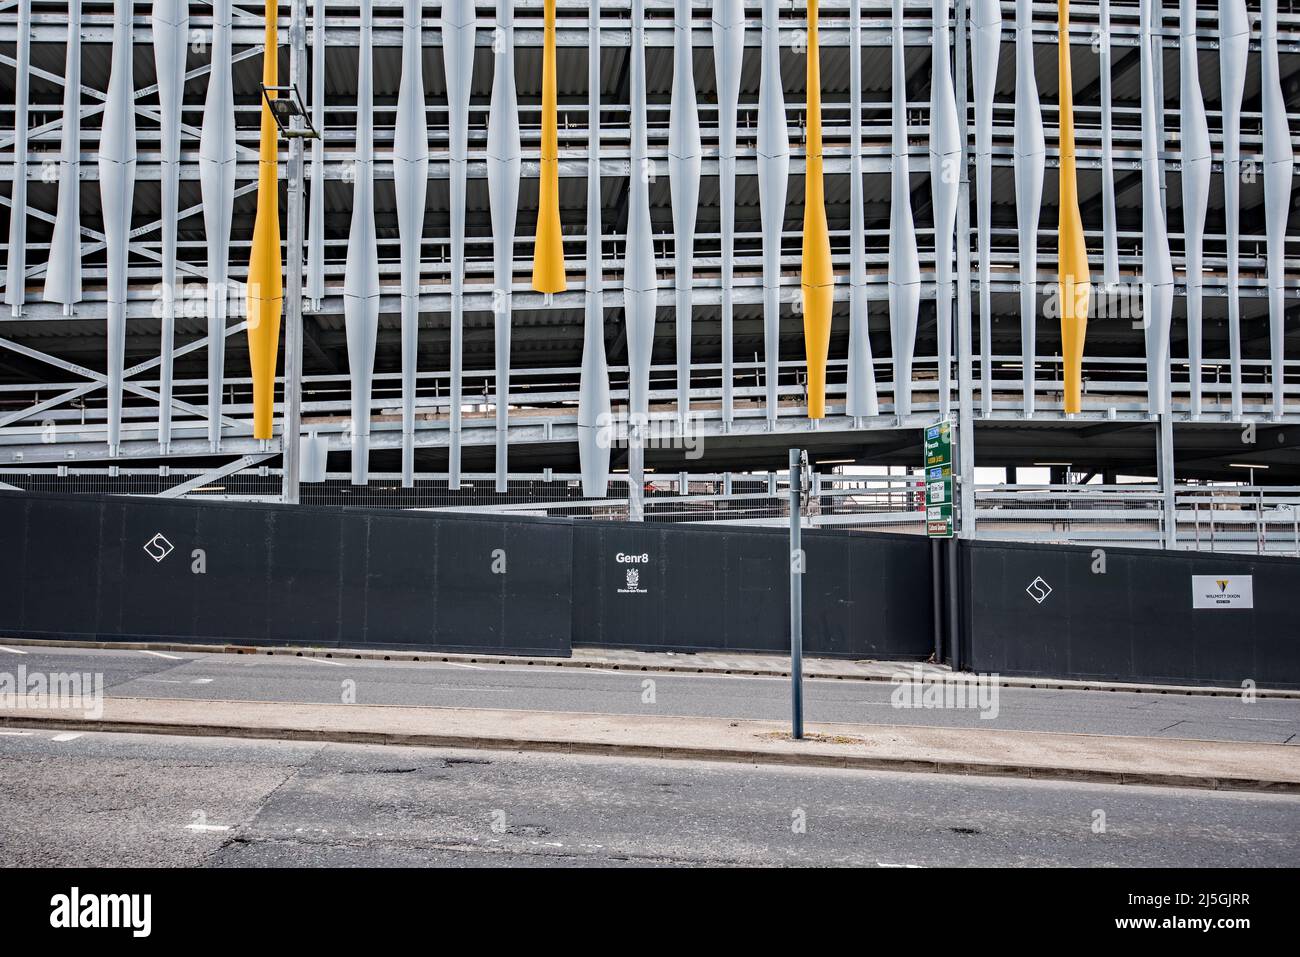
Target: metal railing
1245,518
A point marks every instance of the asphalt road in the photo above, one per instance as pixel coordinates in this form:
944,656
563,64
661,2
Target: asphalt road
129,673
99,799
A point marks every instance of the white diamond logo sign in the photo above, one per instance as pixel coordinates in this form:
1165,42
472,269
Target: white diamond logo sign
1039,590
158,547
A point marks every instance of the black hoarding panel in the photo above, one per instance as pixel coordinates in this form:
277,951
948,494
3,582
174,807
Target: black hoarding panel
687,588
402,593
1098,622
1131,614
471,591
1151,596
232,599
151,569
758,593
901,624
354,576
690,576
14,557
626,576
829,625
1033,605
306,579
588,584
538,587
60,576
1277,649
142,568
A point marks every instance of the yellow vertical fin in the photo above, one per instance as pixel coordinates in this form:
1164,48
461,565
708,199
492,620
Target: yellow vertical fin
817,280
548,248
265,269
1072,261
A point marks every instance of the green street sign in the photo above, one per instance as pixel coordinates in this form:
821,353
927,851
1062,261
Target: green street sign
938,480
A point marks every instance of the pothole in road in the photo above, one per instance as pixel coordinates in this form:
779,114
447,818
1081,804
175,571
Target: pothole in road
529,830
452,762
380,770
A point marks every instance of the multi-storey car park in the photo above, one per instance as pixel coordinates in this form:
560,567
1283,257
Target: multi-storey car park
525,225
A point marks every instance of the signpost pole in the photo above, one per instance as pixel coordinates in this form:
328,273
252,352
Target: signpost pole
796,599
954,647
936,580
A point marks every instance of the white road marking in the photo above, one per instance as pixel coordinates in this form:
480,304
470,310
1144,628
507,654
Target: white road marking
12,651
159,654
461,664
1237,717
201,681
207,827
15,734
321,661
66,737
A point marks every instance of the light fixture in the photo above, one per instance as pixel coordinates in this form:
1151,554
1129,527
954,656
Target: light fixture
285,105
1245,465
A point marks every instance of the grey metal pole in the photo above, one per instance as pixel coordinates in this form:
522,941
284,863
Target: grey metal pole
936,582
796,601
291,431
635,470
954,645
1259,518
964,475
1168,489
1295,524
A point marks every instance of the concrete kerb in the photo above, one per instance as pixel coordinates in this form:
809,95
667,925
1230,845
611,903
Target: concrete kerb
770,752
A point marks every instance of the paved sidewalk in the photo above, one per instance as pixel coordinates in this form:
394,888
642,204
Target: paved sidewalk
867,670
1074,757
744,663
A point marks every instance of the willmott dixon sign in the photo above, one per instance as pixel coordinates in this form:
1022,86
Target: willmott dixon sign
1223,591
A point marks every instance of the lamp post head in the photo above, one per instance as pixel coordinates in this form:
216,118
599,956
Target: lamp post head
285,103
